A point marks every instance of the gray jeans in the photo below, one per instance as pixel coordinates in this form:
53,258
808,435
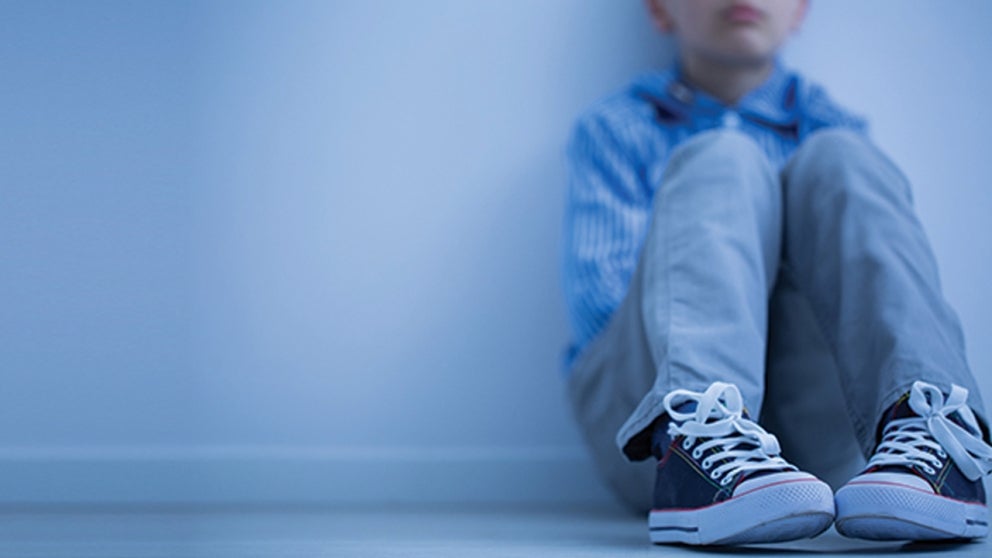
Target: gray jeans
814,290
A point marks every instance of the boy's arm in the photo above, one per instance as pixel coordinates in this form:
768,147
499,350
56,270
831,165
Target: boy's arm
605,218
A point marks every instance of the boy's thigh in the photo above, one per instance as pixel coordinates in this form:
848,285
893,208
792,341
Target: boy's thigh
804,405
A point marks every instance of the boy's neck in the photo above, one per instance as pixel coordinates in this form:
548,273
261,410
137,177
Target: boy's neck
727,82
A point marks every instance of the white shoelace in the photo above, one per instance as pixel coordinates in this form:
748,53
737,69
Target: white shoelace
742,443
905,440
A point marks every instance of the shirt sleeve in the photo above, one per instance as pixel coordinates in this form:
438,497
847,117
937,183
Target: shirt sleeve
606,215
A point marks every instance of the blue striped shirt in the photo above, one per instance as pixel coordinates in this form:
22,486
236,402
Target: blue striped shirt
616,157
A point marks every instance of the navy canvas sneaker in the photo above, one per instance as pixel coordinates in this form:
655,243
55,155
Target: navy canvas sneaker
721,480
924,481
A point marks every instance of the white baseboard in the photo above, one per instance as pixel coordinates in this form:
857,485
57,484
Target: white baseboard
253,475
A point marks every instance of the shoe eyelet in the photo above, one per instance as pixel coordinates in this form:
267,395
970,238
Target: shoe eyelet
941,454
725,481
686,444
929,470
707,462
696,453
714,475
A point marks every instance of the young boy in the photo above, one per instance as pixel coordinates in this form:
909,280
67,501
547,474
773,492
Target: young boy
697,197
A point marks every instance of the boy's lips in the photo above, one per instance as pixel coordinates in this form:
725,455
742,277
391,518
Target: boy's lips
742,13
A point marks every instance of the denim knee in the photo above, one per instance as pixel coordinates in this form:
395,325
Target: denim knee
718,161
729,146
828,159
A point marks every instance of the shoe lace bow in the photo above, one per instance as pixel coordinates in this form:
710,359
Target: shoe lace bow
926,439
732,442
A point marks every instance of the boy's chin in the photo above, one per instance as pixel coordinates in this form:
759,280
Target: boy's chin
747,52
745,59
743,53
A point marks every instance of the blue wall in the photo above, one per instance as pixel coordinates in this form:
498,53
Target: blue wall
308,250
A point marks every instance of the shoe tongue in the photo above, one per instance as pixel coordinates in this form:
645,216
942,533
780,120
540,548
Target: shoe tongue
901,409
686,407
660,439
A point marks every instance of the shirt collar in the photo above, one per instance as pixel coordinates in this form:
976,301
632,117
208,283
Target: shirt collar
772,103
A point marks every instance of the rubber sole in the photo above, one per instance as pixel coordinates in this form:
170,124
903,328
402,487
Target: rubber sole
886,512
775,513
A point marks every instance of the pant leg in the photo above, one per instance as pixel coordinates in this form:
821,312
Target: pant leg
856,250
696,308
708,265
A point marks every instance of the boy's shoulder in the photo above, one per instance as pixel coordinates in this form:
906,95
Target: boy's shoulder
637,100
625,120
622,112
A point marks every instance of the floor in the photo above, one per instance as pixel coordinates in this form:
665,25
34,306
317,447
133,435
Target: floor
374,532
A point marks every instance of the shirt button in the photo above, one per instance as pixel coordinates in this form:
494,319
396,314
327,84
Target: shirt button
731,120
681,93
